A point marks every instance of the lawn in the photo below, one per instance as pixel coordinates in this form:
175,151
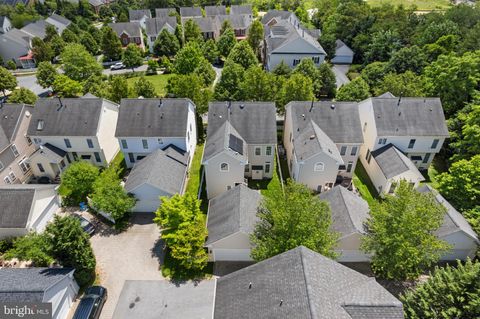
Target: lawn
267,186
195,172
422,5
159,81
362,182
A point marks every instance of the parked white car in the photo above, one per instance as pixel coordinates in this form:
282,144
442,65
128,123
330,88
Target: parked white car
117,66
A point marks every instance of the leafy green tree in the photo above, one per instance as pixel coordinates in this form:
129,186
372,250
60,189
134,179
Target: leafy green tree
400,233
471,41
444,45
328,41
405,84
97,86
192,31
87,40
166,44
290,219
382,46
243,55
435,30
145,88
71,246
226,24
467,143
450,292
7,80
226,42
296,88
22,95
78,64
282,69
188,58
111,45
408,59
41,51
57,44
132,57
356,90
69,36
179,34
210,51
66,87
374,73
190,86
46,74
31,247
122,17
205,71
255,36
328,79
258,85
118,88
50,32
228,87
77,181
11,65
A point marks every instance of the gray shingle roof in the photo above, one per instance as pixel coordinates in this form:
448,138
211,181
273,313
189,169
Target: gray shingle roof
164,12
392,161
155,25
53,153
215,10
29,284
237,21
302,284
453,221
132,29
15,206
36,29
77,117
10,116
206,24
340,44
349,211
279,14
161,169
145,117
137,15
241,9
59,22
232,211
219,140
190,12
414,116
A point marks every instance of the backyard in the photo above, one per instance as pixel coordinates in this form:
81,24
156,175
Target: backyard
159,81
362,182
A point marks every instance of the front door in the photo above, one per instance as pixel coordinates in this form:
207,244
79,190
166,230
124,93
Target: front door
257,172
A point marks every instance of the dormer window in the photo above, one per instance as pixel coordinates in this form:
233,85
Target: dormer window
40,125
224,167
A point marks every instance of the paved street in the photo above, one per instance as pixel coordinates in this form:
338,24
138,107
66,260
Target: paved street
139,69
30,82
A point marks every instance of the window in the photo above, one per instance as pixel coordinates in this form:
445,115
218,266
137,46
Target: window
29,140
349,167
40,125
89,143
392,188
290,136
131,158
190,127
341,167
368,154
247,168
97,157
12,176
267,167
145,144
160,141
68,158
86,157
37,140
268,150
411,144
1,166
316,59
14,150
382,141
188,137
354,151
343,150
62,164
124,144
75,156
67,143
296,61
435,143
319,167
40,168
7,180
426,158
258,151
24,166
224,167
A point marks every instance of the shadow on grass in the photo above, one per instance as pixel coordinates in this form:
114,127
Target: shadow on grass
177,274
362,182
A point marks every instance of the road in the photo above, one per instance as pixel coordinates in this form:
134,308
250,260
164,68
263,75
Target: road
139,69
30,82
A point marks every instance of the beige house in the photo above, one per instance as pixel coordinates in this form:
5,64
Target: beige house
241,142
15,147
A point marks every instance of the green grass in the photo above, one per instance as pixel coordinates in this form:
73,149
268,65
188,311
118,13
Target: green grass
159,81
422,5
195,172
364,185
437,167
267,186
171,269
119,161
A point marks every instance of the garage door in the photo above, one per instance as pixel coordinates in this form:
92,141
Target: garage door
146,206
455,254
231,255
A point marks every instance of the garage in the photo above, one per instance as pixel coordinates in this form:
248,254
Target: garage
343,54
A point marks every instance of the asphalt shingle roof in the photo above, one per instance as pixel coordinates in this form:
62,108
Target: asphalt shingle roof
132,29
392,161
53,153
206,24
155,25
215,10
279,14
164,12
241,9
153,117
232,211
242,21
302,284
15,206
190,12
10,116
137,15
36,29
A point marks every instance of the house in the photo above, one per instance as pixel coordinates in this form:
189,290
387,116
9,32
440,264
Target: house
208,26
15,45
301,283
145,125
5,24
165,12
349,213
231,219
241,142
415,126
239,22
455,230
60,23
212,11
322,142
241,9
190,12
160,173
55,286
343,54
156,25
16,147
82,128
26,208
288,41
129,32
13,3
139,16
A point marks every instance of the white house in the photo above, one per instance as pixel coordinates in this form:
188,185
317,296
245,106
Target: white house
5,24
343,54
139,16
26,207
231,219
145,125
40,285
322,142
415,126
241,141
154,26
82,128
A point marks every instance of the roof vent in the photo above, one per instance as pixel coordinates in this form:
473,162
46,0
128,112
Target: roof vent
281,302
138,113
160,103
242,106
303,115
399,113
332,106
250,285
40,125
312,137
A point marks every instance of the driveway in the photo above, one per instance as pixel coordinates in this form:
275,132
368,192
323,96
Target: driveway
30,82
340,71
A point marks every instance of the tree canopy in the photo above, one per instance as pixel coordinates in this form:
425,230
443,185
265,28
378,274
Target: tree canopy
78,64
77,181
46,74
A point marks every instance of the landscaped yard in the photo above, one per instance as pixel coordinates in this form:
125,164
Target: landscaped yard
362,182
422,5
267,186
159,81
195,176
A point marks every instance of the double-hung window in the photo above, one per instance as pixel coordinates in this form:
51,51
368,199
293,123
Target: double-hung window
67,143
89,143
14,150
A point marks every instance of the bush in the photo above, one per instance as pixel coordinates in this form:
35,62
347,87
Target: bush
11,65
77,181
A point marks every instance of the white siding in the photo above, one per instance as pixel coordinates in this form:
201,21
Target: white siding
232,248
148,198
218,181
106,131
463,246
315,180
61,296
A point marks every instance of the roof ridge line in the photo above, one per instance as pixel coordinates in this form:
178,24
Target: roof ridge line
346,207
307,286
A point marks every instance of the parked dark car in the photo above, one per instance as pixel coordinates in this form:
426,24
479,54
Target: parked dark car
86,224
44,180
92,303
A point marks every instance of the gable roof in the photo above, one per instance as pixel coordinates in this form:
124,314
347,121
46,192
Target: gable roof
164,12
17,39
453,221
36,29
241,9
155,25
206,24
278,14
11,115
153,118
215,10
341,47
393,162
73,117
132,29
238,21
163,169
137,15
59,22
232,211
302,284
190,12
52,153
3,19
349,211
413,116
219,141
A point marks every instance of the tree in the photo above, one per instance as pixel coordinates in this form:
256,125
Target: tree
466,142
22,95
296,88
69,36
243,55
408,59
374,73
41,51
122,17
183,230
7,81
405,84
97,86
132,56
190,86
78,64
282,69
226,24
192,31
188,58
77,181
258,85
166,44
87,40
118,88
205,71
210,51
11,65
50,32
46,74
307,68
66,87
31,247
255,36
228,87
226,42
400,233
57,44
450,292
290,219
435,30
328,79
356,90
383,44
71,246
111,45
145,88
